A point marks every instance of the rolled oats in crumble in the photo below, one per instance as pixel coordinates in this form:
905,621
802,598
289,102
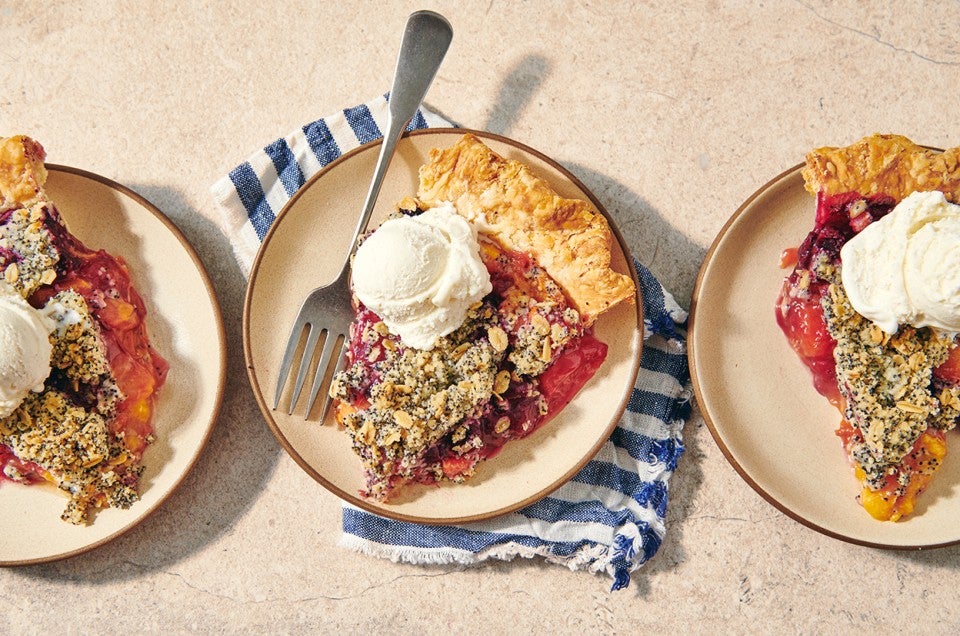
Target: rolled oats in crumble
886,380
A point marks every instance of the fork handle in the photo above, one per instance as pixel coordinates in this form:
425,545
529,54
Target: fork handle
425,42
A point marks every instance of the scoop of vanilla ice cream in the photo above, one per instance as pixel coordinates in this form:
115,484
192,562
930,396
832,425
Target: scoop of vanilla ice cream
24,349
421,274
905,268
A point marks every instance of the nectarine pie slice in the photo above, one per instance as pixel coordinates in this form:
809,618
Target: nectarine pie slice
871,306
79,378
474,306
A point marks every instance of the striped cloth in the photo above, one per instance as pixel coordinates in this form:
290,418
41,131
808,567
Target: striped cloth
611,516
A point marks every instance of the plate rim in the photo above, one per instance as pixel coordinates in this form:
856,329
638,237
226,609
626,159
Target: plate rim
353,499
221,380
790,173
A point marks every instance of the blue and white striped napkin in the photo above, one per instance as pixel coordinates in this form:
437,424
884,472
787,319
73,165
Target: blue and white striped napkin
611,516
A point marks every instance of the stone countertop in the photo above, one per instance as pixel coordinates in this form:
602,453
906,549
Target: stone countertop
672,115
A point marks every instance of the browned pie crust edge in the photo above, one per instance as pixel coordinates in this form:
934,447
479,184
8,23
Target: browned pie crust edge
883,164
22,172
569,238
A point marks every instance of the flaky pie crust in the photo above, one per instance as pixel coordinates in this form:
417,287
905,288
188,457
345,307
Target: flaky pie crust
22,172
883,164
569,238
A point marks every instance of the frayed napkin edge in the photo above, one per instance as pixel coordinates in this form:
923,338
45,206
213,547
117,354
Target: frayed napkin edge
593,558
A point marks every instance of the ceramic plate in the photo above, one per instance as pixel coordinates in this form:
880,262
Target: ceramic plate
183,321
306,247
758,398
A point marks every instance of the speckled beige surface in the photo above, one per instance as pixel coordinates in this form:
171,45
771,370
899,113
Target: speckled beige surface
673,115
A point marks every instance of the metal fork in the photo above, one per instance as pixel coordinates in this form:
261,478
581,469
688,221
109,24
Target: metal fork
327,312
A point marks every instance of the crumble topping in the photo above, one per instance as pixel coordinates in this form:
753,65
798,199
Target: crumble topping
78,348
413,411
887,382
71,441
418,394
75,448
28,254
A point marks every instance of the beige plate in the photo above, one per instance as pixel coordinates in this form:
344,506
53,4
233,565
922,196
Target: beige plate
305,248
183,320
758,398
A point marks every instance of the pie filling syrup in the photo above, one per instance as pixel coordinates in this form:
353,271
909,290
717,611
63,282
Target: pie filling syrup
889,491
138,371
521,356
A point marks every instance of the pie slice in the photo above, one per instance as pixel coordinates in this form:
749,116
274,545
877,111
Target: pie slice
421,416
898,393
86,428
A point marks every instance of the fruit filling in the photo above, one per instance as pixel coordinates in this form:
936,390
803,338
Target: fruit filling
799,311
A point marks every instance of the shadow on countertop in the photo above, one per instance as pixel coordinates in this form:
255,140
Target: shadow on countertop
948,557
240,454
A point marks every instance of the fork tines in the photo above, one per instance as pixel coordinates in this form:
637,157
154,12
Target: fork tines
331,342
